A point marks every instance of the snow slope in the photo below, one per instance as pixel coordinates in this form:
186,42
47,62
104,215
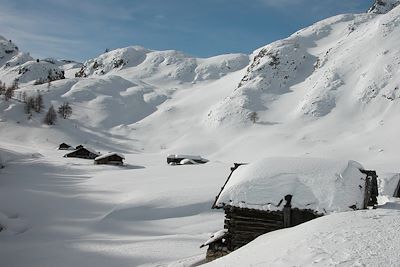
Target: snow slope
329,90
361,238
141,63
329,66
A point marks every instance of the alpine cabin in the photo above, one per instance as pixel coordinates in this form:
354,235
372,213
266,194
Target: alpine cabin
276,193
64,146
111,158
83,153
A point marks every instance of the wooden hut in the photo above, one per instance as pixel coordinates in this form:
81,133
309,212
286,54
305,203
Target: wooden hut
185,159
79,146
84,153
64,146
110,158
272,194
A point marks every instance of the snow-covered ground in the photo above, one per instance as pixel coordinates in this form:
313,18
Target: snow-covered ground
330,90
68,212
361,238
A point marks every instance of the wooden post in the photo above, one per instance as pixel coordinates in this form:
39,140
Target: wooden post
367,191
287,221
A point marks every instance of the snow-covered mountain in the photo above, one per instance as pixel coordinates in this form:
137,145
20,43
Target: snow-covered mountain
16,65
162,65
339,63
329,90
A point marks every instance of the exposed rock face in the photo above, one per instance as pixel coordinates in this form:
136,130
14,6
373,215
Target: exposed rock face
383,6
7,50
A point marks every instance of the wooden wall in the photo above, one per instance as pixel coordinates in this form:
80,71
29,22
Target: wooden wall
244,225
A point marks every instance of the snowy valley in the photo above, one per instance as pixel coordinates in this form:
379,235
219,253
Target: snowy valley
330,90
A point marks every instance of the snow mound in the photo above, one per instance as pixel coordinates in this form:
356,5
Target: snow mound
11,225
341,239
322,185
111,101
218,66
154,209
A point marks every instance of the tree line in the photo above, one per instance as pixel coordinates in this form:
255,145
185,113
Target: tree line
35,103
8,91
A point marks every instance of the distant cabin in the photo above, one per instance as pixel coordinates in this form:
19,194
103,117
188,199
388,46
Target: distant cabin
276,193
185,159
64,146
79,146
84,153
110,158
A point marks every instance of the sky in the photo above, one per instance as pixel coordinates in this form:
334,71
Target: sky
83,29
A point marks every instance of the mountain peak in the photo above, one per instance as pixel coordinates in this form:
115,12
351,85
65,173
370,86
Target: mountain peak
383,6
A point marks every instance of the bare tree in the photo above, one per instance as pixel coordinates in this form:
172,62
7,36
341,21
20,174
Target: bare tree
51,116
65,110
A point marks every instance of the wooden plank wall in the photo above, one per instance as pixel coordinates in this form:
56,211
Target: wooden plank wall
244,225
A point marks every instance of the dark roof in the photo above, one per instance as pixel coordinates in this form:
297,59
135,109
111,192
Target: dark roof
92,151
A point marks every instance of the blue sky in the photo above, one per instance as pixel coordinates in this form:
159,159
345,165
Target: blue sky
81,29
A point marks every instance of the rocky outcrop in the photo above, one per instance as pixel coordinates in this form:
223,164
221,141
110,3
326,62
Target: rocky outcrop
383,6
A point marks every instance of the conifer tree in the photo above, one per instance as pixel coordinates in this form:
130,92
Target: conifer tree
51,116
65,110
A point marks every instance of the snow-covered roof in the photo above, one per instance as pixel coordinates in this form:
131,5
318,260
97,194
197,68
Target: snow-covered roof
109,154
215,237
322,185
177,156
